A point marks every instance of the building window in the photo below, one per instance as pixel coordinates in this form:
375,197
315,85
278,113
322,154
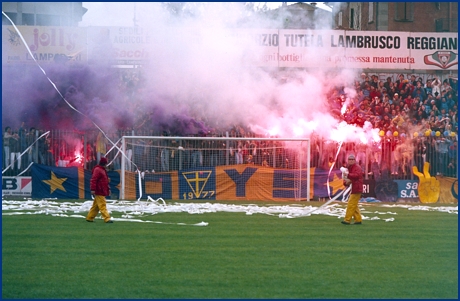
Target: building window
352,18
28,19
48,20
12,16
404,11
339,21
371,12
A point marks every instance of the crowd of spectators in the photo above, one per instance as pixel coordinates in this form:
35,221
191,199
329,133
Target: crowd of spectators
417,122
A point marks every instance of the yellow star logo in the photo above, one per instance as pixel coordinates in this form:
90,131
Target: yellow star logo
336,184
55,183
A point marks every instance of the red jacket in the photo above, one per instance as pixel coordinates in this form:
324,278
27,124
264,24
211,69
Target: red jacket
355,174
99,182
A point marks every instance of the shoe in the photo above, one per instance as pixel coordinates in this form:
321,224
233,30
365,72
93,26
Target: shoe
358,223
109,222
89,221
345,223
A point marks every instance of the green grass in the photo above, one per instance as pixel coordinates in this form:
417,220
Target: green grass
235,256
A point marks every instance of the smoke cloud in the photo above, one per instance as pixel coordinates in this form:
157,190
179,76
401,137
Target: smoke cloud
198,78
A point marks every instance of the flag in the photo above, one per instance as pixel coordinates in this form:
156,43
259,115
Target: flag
60,182
321,189
197,183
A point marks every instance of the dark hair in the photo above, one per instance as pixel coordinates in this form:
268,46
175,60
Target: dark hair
103,161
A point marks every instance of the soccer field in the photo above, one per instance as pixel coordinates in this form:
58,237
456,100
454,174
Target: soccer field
228,250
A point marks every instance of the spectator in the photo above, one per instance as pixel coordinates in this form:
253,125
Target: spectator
452,167
428,88
419,153
450,101
374,93
446,86
22,133
395,157
374,81
165,144
365,82
33,152
419,94
396,100
15,157
366,90
6,146
400,82
436,87
413,80
409,100
101,146
442,148
388,84
430,154
47,152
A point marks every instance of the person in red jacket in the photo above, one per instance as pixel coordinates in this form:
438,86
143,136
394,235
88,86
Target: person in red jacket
355,179
99,185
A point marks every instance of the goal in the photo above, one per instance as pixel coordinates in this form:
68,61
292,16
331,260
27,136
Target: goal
214,168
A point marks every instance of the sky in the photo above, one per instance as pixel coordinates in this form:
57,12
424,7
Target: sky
124,11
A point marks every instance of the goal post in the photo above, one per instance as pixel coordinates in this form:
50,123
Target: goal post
215,168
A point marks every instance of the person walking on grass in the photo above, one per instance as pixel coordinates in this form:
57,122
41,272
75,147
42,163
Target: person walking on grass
355,179
99,185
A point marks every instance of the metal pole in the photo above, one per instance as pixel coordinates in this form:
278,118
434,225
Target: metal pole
123,162
308,169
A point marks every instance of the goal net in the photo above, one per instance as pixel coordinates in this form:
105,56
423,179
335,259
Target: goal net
214,168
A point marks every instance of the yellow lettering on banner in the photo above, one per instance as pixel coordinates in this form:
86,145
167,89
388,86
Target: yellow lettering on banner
429,187
226,188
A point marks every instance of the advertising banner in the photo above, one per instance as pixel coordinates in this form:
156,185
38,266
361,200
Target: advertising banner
120,45
48,44
17,186
365,49
281,48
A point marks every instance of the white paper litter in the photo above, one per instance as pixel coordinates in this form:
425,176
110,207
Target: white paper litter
134,211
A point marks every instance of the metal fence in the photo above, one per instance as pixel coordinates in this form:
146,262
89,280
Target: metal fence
391,156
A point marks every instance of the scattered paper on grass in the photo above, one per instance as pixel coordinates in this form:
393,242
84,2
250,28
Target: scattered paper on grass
133,211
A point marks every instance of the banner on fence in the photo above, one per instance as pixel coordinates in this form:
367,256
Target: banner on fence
60,182
448,190
17,186
234,182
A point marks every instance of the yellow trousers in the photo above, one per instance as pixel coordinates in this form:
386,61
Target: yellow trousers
352,208
99,204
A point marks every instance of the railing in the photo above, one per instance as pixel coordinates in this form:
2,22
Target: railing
391,156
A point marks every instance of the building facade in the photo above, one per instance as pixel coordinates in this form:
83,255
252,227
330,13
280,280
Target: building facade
43,13
396,16
301,15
